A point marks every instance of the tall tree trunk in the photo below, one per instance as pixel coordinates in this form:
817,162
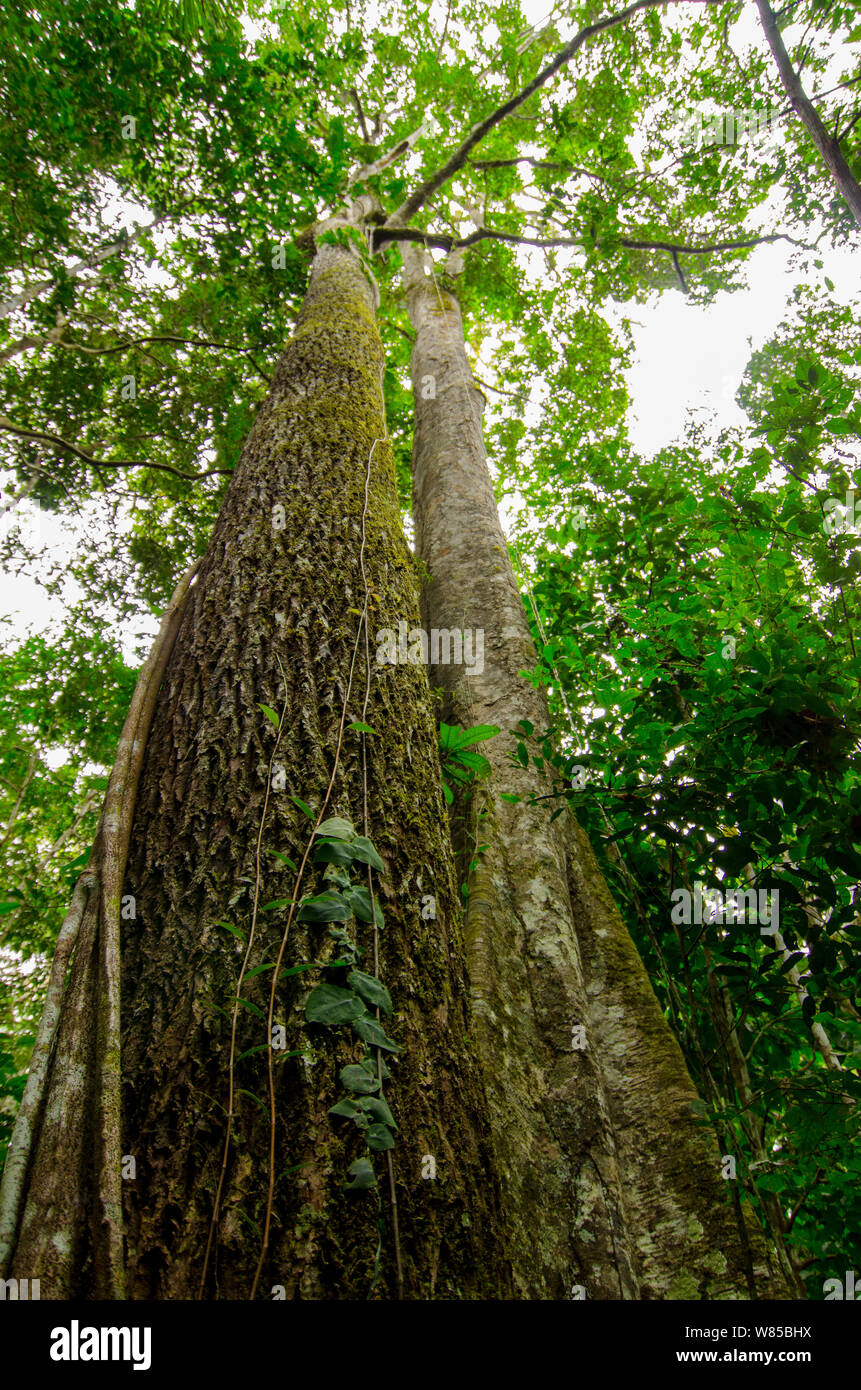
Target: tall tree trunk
601,1139
274,618
828,147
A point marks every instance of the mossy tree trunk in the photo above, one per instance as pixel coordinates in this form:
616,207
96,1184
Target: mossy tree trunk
595,1129
308,533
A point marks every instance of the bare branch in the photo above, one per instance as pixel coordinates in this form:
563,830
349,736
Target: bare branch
44,437
450,243
828,148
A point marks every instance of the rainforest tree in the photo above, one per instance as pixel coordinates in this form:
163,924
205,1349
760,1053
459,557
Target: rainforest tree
220,1055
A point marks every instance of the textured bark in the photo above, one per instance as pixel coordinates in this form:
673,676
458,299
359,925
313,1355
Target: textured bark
550,1118
272,597
266,594
60,1198
687,1235
601,1142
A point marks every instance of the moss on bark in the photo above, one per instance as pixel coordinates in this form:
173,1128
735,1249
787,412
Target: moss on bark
273,619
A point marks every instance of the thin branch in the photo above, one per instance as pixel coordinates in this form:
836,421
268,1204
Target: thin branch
841,135
410,337
451,243
28,777
444,31
360,111
500,390
403,147
459,156
17,301
25,344
43,437
675,258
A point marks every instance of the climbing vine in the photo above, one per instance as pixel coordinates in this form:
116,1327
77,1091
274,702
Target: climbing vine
348,995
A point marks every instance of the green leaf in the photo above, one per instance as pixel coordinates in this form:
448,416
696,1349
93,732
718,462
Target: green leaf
475,762
358,727
360,901
363,850
452,738
477,734
303,806
336,827
347,1108
333,852
252,1008
370,1032
285,859
330,906
371,990
376,1106
256,1099
228,926
264,1047
298,969
259,969
379,1137
330,1004
362,1174
357,1079
270,715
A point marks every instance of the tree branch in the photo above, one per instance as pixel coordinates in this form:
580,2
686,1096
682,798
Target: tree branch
459,156
828,148
675,258
450,243
38,287
44,437
26,343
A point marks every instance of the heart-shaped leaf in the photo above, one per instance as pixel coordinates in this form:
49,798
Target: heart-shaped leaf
330,1004
326,907
379,1137
371,1032
363,850
362,1174
358,1080
371,990
377,1108
336,827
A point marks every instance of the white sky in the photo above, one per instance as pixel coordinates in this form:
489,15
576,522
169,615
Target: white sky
692,358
